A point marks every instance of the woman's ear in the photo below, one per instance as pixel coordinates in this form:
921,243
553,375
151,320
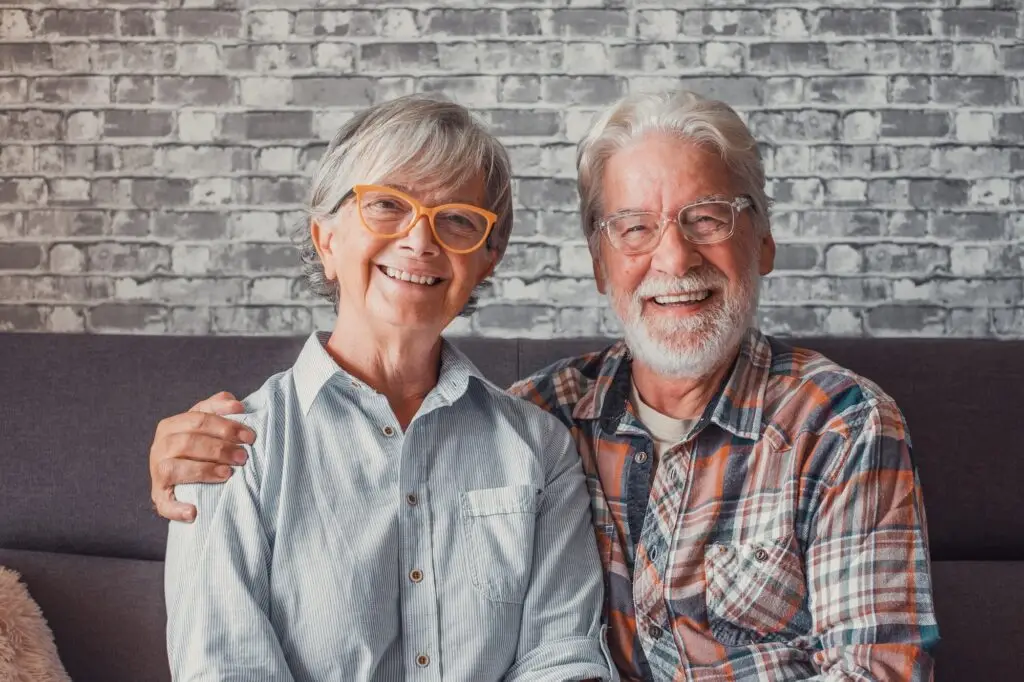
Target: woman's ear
491,264
323,242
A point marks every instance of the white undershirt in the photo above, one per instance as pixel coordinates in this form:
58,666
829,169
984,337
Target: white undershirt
667,431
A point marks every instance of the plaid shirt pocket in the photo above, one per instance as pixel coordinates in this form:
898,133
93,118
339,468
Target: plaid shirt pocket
756,591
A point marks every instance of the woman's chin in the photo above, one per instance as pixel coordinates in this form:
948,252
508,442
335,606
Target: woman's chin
409,318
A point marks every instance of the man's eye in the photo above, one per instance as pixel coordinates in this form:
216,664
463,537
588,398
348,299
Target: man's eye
633,227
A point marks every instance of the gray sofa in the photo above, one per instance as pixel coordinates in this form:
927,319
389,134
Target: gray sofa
77,414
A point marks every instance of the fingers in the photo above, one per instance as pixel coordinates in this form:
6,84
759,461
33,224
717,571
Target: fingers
172,510
202,424
182,471
215,426
219,403
171,472
196,445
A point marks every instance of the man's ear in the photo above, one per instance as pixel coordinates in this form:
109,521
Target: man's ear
323,242
766,260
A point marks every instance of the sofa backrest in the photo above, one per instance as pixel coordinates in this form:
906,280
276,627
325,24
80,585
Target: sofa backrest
77,414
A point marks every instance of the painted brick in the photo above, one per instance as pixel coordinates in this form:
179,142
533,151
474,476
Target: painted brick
203,23
92,24
890,133
137,123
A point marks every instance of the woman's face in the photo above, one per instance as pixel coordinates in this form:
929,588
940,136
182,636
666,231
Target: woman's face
410,281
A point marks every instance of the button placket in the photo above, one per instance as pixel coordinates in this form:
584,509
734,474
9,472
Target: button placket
419,590
672,481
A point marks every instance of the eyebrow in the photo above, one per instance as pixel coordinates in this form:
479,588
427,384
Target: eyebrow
408,190
697,200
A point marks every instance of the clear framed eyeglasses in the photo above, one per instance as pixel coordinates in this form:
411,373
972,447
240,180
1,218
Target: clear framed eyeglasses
703,222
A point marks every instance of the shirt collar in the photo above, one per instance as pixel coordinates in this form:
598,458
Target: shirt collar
314,368
737,407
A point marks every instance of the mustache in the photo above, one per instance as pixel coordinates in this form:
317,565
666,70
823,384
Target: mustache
662,285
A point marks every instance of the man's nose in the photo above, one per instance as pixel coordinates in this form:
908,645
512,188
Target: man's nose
675,254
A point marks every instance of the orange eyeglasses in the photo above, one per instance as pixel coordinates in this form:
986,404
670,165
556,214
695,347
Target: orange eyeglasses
389,213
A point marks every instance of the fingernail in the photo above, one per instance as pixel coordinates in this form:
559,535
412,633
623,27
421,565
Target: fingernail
224,471
239,457
248,437
190,515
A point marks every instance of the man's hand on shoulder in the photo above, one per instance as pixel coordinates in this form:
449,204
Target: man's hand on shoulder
198,446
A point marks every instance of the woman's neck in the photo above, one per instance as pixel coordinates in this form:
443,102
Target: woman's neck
401,364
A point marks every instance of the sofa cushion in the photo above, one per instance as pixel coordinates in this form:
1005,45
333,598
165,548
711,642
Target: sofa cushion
79,413
107,615
979,606
958,399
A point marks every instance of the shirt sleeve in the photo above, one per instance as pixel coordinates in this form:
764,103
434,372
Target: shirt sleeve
867,561
561,636
217,587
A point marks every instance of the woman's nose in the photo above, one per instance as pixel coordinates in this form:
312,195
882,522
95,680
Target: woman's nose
420,238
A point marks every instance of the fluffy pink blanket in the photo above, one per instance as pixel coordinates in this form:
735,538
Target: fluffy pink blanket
27,651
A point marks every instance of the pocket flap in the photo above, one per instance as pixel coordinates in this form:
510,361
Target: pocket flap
512,499
756,591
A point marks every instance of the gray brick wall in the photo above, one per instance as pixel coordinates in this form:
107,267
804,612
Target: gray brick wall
155,152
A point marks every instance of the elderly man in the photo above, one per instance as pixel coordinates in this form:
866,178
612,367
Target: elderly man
756,506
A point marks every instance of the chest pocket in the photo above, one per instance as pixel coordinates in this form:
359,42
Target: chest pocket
756,591
498,527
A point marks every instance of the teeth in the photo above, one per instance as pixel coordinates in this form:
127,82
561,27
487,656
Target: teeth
394,273
692,297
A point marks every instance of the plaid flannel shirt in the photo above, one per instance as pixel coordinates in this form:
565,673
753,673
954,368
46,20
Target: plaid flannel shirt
783,539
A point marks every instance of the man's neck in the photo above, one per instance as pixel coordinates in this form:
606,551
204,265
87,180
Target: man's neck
679,397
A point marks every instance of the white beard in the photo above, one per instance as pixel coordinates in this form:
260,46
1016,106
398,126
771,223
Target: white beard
694,346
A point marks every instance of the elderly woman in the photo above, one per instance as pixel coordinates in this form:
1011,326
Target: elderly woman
400,517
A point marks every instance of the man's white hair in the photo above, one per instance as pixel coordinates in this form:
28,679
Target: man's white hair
709,123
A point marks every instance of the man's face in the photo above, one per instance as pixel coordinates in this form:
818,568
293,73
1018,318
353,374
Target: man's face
684,306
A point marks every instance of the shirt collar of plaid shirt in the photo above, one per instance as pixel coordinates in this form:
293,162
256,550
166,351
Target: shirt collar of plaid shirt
738,407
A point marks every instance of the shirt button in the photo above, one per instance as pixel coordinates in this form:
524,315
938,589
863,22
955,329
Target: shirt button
416,575
640,457
423,660
761,554
411,499
655,632
388,430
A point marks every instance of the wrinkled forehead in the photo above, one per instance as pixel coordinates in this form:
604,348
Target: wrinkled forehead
436,186
664,173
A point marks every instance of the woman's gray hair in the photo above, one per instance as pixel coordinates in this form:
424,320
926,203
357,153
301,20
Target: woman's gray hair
706,122
429,141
